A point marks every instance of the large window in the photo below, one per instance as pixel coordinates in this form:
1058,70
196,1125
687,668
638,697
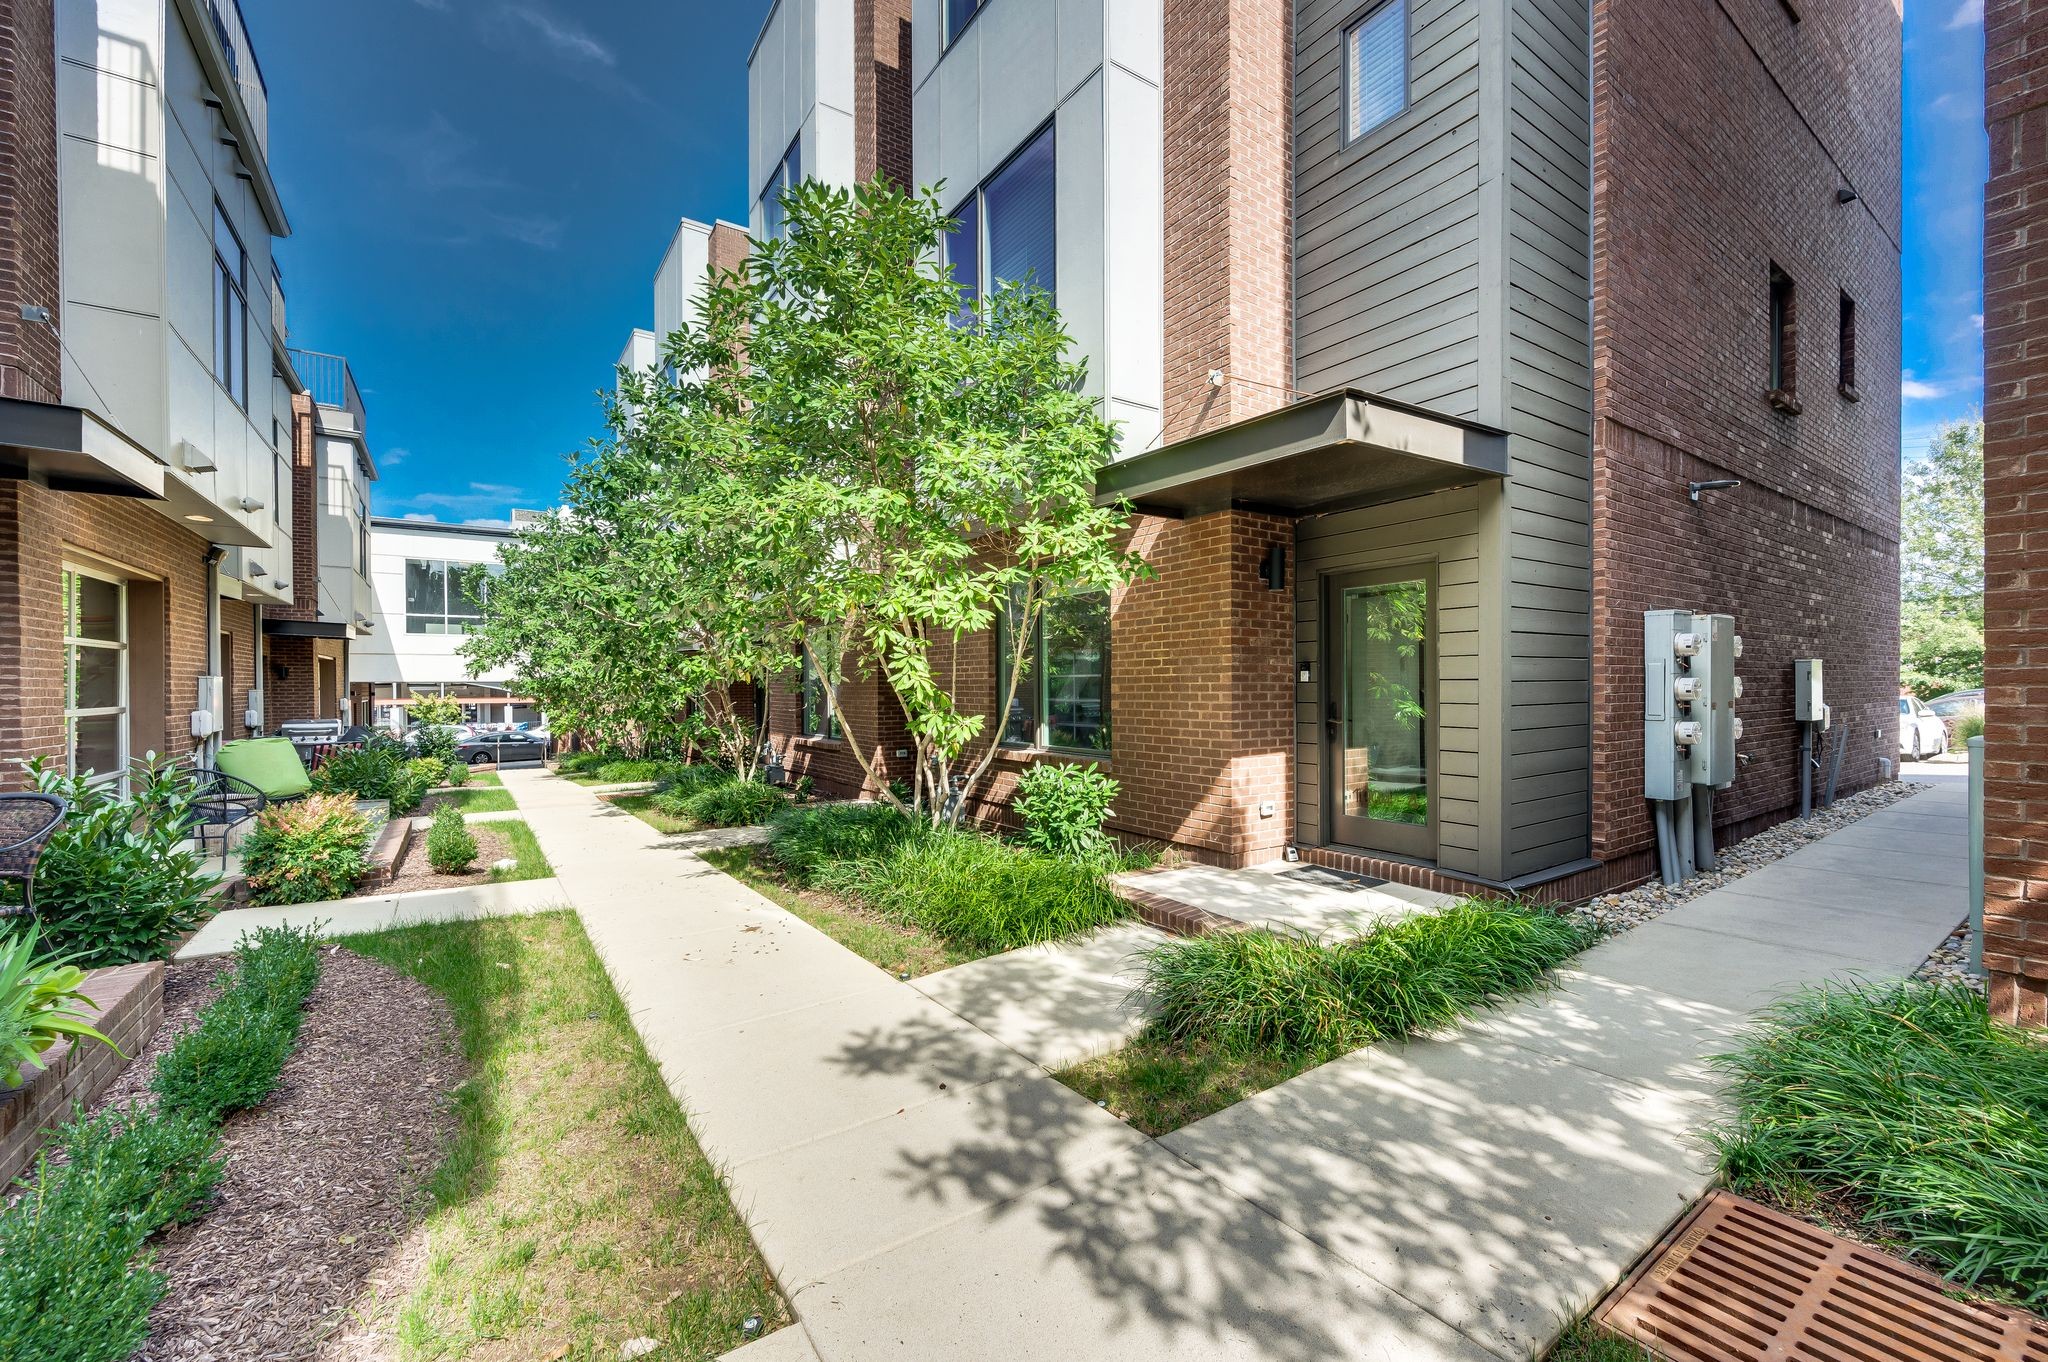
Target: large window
1063,699
230,310
1375,68
788,173
443,597
1006,231
819,718
958,12
95,673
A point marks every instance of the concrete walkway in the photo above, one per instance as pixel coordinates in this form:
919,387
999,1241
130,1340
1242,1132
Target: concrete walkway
921,1188
378,912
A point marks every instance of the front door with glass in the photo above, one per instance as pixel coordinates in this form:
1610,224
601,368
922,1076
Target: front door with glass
1380,721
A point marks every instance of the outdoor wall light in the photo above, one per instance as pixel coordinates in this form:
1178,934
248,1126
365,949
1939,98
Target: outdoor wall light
1274,569
1693,489
1845,196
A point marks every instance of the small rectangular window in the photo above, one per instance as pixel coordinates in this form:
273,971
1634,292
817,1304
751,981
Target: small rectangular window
1375,68
788,173
963,254
1062,699
1784,385
819,719
230,309
1846,334
958,12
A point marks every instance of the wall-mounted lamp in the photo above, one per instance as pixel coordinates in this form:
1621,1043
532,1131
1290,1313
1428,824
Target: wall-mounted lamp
1845,196
1693,489
31,312
1274,569
249,504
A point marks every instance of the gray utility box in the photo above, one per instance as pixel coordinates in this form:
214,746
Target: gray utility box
1669,729
1713,755
1809,705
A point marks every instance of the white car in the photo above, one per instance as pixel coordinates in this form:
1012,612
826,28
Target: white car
1921,731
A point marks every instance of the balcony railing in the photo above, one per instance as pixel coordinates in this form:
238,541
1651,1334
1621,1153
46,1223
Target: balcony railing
241,53
331,382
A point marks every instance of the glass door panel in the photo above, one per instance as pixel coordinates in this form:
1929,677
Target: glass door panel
1380,720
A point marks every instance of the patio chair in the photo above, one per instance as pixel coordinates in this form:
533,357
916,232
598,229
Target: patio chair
224,802
26,822
272,766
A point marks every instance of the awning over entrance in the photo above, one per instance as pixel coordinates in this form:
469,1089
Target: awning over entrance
1320,454
73,450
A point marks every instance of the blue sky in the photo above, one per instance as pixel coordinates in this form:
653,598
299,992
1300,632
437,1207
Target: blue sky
480,191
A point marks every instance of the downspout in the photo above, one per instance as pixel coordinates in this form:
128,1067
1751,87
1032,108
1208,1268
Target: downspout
210,744
1805,769
256,669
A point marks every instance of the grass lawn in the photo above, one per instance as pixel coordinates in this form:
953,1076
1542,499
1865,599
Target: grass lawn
897,948
533,865
1159,1087
1584,1343
483,799
641,806
486,778
573,1211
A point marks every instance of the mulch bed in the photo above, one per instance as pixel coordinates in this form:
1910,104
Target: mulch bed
415,872
323,1180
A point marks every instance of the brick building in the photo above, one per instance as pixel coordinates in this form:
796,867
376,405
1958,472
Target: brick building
1419,318
150,414
2016,510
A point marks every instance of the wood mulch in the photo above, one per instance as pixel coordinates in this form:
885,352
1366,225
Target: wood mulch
415,872
323,1180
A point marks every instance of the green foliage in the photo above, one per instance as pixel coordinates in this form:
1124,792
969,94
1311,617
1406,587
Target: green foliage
451,849
38,1004
1965,727
729,803
1292,993
75,1281
308,851
435,710
115,882
804,841
455,773
979,891
382,770
1910,1102
1064,807
232,1058
1941,564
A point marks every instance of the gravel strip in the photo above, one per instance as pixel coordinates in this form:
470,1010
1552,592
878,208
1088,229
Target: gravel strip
1951,960
1634,907
322,1181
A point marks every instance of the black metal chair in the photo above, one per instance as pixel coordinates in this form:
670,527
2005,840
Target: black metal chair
223,802
26,822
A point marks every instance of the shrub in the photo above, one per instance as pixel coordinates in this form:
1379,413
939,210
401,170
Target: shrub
732,803
1064,808
232,1058
1292,993
1908,1101
627,771
365,772
1968,725
38,1004
304,852
978,891
115,882
451,849
681,786
803,841
456,773
435,710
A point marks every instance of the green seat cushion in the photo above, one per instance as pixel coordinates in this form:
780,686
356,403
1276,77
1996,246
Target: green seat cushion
272,765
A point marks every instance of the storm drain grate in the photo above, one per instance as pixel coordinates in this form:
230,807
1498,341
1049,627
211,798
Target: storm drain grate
1740,1282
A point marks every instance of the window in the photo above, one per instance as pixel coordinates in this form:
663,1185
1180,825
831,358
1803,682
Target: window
958,13
95,673
230,309
1784,344
1375,68
443,597
788,173
819,719
276,471
1845,331
1062,699
1006,232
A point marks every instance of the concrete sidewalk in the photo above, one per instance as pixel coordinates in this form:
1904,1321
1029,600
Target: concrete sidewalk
922,1189
378,912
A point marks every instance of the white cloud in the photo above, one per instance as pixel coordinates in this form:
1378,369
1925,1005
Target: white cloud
478,500
438,157
1914,390
1969,14
532,229
1977,320
564,38
394,456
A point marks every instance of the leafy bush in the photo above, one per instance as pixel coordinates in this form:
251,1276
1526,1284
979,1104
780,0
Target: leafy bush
978,891
1908,1101
1289,992
315,849
38,1004
456,773
1968,725
409,789
732,803
451,849
435,710
115,882
1064,808
803,841
232,1058
680,787
629,770
365,772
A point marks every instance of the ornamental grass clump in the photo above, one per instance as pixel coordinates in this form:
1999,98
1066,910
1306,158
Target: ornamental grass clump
716,798
304,852
451,847
1293,993
804,841
1906,1104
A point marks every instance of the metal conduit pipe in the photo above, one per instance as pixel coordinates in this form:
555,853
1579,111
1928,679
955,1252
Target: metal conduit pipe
1667,869
1840,745
1703,827
1681,828
1805,769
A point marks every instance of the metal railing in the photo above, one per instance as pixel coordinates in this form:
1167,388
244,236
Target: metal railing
277,327
331,382
233,33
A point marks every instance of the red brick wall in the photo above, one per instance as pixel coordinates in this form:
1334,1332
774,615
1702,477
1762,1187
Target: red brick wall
1722,132
30,365
881,90
2016,511
238,664
305,512
1227,106
728,246
37,528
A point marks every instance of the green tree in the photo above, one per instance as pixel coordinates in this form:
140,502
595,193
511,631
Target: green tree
873,478
1941,564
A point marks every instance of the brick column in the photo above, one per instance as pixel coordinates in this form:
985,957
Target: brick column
2016,511
30,366
881,90
1228,166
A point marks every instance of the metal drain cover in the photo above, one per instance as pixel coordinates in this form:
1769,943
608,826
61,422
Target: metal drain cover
1739,1282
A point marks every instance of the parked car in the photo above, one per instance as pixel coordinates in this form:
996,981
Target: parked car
1921,731
1957,703
461,732
479,748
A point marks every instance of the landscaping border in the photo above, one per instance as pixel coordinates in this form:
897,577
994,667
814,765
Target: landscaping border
128,1007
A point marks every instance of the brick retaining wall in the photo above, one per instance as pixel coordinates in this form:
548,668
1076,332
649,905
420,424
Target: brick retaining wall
130,1007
